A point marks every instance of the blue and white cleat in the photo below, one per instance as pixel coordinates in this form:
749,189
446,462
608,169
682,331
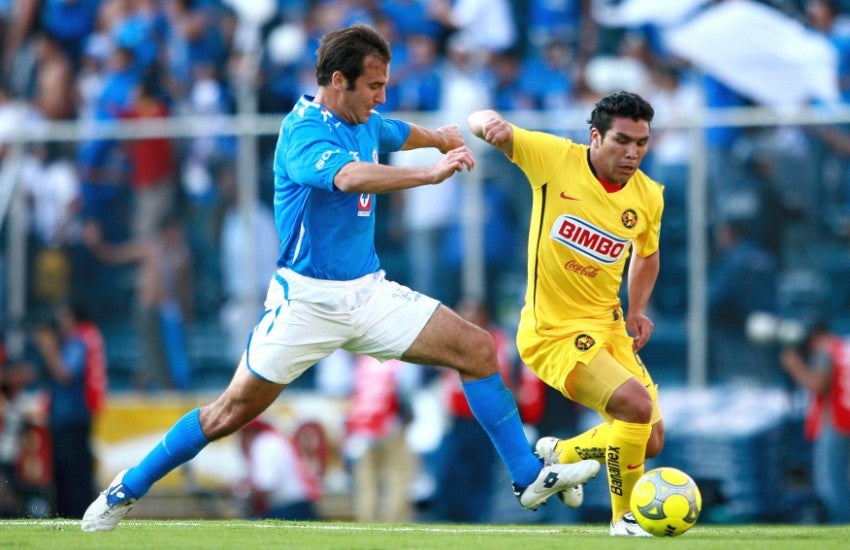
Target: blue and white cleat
109,507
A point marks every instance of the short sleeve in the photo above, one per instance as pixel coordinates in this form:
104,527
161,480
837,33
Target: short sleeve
314,157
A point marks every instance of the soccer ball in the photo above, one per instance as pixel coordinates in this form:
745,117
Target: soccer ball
666,502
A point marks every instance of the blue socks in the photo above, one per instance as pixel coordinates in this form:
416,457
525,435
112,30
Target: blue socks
179,445
495,409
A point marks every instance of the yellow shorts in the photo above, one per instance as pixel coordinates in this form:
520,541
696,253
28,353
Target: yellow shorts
588,366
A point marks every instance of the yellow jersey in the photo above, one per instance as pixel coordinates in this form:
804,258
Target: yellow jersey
580,235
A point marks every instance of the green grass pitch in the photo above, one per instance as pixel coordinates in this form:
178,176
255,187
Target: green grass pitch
246,535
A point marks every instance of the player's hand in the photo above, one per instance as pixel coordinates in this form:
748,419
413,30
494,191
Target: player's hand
497,132
452,162
450,138
640,326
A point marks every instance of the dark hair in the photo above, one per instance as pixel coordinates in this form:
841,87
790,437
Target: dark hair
345,50
619,105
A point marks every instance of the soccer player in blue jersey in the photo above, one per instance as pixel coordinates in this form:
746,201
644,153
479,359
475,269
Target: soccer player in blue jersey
329,291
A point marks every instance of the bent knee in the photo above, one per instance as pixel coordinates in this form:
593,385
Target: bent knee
631,402
478,354
641,410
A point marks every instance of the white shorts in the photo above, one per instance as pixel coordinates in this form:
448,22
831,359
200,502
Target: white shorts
306,319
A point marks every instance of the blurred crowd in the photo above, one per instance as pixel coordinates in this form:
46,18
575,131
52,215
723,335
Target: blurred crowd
149,230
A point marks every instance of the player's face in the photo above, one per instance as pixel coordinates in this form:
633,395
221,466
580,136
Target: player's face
617,155
368,92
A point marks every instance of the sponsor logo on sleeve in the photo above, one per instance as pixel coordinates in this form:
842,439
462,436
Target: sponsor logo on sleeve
324,158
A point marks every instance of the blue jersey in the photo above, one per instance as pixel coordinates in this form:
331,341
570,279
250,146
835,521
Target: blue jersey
325,233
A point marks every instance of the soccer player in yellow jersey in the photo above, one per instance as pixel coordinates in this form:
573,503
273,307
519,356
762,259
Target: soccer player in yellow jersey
592,209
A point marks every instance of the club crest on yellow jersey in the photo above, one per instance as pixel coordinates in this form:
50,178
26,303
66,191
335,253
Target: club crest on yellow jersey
629,219
584,342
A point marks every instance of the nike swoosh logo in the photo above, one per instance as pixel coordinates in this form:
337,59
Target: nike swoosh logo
634,466
567,197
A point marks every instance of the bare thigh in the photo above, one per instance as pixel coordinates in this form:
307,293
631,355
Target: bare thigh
449,340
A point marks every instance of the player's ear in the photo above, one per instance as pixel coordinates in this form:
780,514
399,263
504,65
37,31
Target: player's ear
338,81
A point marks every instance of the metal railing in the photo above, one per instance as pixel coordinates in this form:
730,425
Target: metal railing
248,126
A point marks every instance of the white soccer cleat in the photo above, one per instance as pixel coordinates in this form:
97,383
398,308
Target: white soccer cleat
554,478
572,497
545,448
109,507
628,526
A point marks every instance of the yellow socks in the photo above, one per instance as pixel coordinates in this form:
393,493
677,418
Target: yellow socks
625,456
622,445
591,444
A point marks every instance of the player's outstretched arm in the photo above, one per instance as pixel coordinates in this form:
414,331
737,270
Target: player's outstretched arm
492,128
444,138
368,177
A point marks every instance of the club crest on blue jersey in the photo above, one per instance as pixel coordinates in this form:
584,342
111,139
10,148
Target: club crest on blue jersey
364,205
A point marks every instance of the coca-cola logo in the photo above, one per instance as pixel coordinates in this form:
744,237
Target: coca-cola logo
585,270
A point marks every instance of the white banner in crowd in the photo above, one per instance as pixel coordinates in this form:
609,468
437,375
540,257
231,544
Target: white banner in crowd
631,13
759,52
